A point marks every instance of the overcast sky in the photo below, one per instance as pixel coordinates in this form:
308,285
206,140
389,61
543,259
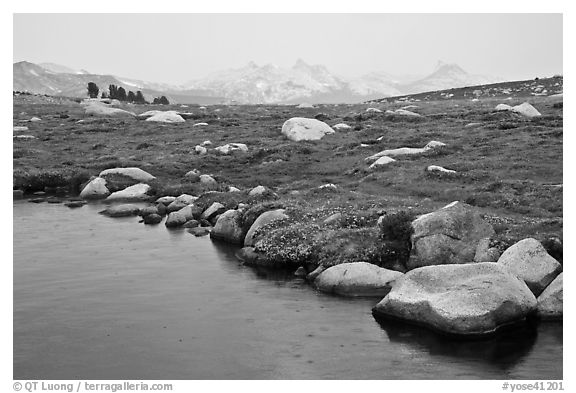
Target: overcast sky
177,48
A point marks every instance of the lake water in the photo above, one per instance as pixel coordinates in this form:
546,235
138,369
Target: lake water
103,298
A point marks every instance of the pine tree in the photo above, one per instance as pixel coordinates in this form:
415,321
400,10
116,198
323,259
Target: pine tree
131,96
140,98
121,94
113,92
93,90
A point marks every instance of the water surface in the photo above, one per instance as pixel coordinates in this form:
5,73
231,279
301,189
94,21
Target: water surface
103,298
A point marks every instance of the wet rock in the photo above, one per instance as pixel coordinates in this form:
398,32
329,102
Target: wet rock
357,279
180,217
228,227
470,299
315,273
17,194
37,200
152,219
148,210
124,210
95,189
301,272
74,204
200,231
191,224
550,301
528,260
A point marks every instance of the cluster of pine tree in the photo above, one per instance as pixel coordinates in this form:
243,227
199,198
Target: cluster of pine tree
119,93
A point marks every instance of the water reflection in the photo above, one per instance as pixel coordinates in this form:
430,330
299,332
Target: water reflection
502,350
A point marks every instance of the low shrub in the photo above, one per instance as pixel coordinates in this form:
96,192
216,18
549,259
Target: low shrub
394,240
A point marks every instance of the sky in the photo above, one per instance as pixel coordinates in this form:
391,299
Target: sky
176,48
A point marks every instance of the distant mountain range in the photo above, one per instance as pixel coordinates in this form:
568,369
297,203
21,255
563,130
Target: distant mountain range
252,84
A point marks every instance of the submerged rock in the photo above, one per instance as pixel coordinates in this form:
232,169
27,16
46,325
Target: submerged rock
472,299
529,260
357,279
124,210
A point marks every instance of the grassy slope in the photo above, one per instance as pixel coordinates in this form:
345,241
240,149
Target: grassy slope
509,166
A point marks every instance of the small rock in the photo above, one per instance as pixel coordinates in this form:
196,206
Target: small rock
214,209
124,210
152,219
199,231
551,300
74,204
301,272
17,194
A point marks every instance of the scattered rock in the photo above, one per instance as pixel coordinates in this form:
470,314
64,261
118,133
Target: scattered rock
472,125
406,150
449,235
373,110
231,147
35,119
233,189
472,299
382,161
263,220
200,124
206,143
228,228
525,109
529,261
192,176
200,150
166,117
121,211
550,301
95,189
25,137
436,168
303,129
403,112
341,126
258,190
357,279
208,180
137,192
19,128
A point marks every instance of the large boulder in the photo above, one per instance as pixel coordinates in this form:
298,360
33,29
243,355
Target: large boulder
137,192
304,129
357,279
124,210
95,108
166,117
120,178
447,236
550,301
525,109
229,227
263,220
529,260
472,299
95,189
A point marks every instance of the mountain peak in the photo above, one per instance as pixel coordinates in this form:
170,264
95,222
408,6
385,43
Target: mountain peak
300,64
